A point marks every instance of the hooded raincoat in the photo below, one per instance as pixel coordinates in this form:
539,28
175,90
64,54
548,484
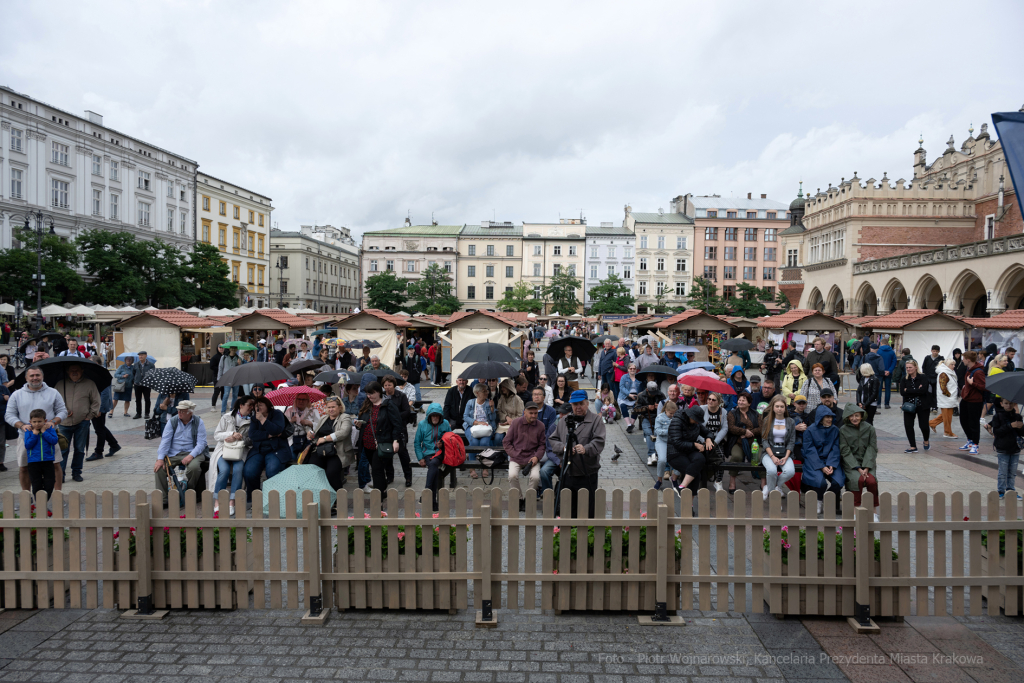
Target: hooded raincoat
428,434
858,446
791,384
821,449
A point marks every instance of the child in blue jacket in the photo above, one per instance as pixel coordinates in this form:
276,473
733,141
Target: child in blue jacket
40,447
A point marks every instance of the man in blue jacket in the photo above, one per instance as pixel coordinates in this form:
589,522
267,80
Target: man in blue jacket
889,364
606,368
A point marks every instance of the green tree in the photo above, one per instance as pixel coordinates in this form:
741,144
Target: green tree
704,295
520,298
749,301
164,269
210,277
560,292
432,293
611,296
59,263
115,262
782,300
385,291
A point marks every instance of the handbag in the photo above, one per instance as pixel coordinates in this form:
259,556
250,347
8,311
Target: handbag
909,406
480,431
116,386
384,450
233,450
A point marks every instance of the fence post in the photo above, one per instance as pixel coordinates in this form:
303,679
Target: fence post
485,616
665,546
862,622
315,615
144,567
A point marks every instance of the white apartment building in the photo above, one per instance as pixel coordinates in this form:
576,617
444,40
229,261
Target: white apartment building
88,176
237,221
550,248
609,252
664,257
315,267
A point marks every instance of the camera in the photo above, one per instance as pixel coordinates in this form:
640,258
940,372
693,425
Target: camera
572,422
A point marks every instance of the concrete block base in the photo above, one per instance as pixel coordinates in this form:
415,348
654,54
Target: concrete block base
872,628
648,620
493,623
319,620
156,615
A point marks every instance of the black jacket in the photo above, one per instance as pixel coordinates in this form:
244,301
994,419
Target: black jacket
347,360
402,401
389,426
827,360
929,367
643,400
914,388
412,366
960,368
455,405
215,363
867,391
682,433
1005,435
773,364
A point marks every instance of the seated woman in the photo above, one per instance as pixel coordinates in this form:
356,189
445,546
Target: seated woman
778,434
232,428
478,413
743,430
822,461
270,449
509,407
688,440
858,447
427,443
562,392
331,442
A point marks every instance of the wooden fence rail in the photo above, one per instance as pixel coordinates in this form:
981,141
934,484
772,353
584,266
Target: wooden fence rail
646,551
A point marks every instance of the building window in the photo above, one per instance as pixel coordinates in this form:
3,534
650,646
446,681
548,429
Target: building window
627,272
643,263
472,250
143,213
593,252
768,273
730,253
536,291
711,234
751,214
509,271
410,266
97,202
114,167
572,269
611,252
536,270
234,245
749,234
680,265
839,245
259,277
252,217
97,165
660,289
143,182
183,219
661,264
206,203
252,274
16,137
680,289
114,199
261,245
791,258
728,272
170,190
711,273
730,214
712,213
471,271
447,266
222,208
710,253
643,241
770,234
170,220
771,291
536,250
471,292
572,250
557,250
510,250
680,243
627,252
490,250
489,271
661,241
389,265
729,292
234,272
284,286
771,217
749,273
373,266
730,234
206,232
16,182
236,212
260,218
60,154
769,254
593,272
222,237
59,193
611,270
489,292
749,253
642,287
556,269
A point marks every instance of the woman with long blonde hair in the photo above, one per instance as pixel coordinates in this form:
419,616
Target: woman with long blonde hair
778,437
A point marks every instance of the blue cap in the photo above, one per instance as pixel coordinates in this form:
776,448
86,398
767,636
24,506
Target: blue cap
578,396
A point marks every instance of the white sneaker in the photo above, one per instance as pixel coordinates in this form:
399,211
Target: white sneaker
876,517
368,488
718,486
231,509
764,492
782,490
216,508
821,507
653,460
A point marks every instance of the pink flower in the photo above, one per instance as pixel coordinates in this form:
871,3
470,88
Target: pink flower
839,529
643,514
764,529
436,515
557,529
366,515
785,545
116,534
417,514
401,535
555,571
785,528
383,514
350,517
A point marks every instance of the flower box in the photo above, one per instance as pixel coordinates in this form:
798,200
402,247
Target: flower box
988,570
426,579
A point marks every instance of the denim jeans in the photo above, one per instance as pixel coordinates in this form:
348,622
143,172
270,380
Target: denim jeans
648,436
226,469
886,385
230,396
661,448
79,436
363,471
485,442
547,470
496,439
1007,471
419,396
254,465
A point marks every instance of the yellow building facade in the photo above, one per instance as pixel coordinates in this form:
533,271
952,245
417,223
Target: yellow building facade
237,221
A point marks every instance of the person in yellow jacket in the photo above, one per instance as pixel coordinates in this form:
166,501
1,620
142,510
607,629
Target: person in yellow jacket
793,379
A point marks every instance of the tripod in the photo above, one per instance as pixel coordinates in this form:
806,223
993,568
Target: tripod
570,445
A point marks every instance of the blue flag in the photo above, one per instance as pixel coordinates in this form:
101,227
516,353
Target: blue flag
1010,128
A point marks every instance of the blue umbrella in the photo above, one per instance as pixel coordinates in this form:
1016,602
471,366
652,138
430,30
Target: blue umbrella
296,478
680,348
696,365
134,356
323,331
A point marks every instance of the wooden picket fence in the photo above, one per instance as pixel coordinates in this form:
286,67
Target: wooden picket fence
650,548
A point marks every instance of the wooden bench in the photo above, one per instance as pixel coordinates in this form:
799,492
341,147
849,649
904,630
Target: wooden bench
756,470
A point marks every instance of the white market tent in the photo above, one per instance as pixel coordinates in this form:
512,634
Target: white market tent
193,310
6,309
54,309
129,309
85,311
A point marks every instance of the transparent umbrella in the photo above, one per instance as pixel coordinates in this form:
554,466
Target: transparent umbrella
297,478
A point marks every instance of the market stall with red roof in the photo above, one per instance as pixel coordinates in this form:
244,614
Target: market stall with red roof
918,329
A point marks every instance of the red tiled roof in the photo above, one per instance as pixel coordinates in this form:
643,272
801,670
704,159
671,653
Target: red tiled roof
223,319
500,317
277,315
897,320
857,320
629,322
777,322
174,317
396,320
687,315
1010,320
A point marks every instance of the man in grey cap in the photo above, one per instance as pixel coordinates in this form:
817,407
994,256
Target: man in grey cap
183,443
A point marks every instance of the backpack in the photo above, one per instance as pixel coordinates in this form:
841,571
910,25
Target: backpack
453,450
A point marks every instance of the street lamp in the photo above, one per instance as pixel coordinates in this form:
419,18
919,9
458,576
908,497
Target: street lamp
280,282
39,278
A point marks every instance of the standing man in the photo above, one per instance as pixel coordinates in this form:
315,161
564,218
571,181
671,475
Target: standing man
183,443
215,368
930,368
411,363
525,444
142,368
261,355
821,355
82,399
99,424
1010,353
889,363
584,462
606,366
35,394
73,350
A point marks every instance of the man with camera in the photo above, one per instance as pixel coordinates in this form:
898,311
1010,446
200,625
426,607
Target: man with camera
580,437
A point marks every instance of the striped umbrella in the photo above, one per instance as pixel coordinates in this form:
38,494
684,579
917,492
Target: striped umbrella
285,396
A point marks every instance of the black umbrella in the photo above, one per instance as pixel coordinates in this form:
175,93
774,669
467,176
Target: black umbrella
603,337
488,369
1008,385
56,339
305,365
476,353
583,348
382,373
361,343
657,370
253,373
55,369
339,377
169,381
738,345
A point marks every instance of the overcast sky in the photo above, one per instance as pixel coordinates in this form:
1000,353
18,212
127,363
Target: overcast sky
356,113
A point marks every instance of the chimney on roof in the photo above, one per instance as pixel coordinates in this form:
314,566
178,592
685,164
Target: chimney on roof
408,221
748,194
764,196
94,117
